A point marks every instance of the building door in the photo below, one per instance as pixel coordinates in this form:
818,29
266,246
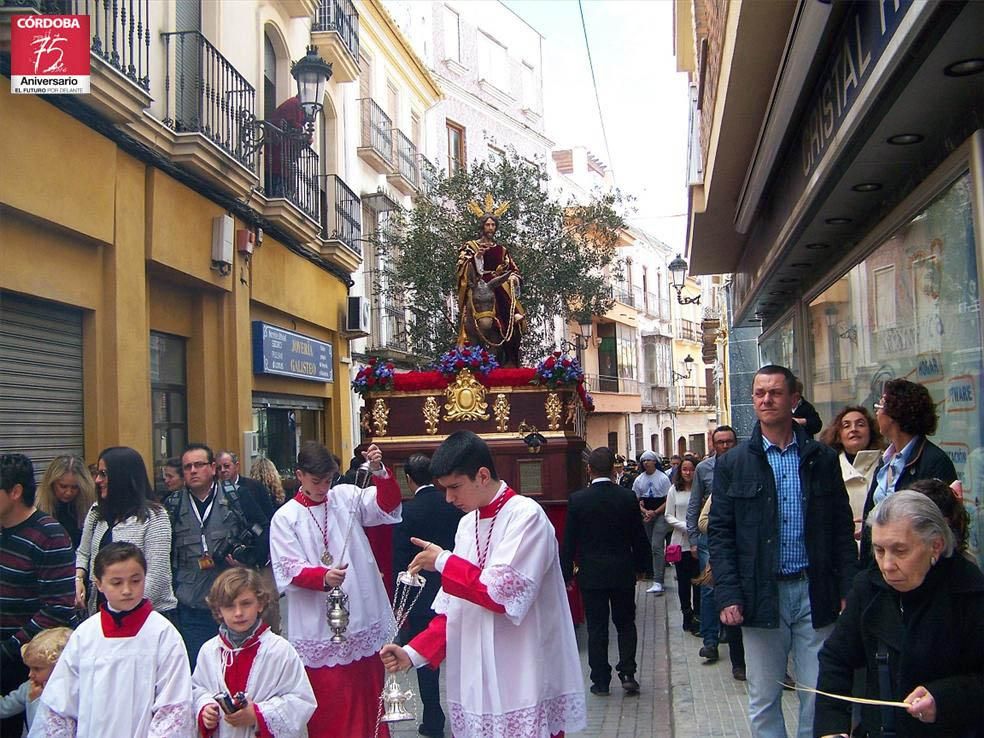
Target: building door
41,401
282,423
188,65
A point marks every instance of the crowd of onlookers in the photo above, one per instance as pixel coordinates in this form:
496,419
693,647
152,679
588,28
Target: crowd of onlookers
813,560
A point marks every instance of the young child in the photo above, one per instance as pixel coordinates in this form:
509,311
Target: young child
248,657
125,670
39,655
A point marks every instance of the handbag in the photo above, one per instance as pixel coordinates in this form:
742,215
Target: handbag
674,554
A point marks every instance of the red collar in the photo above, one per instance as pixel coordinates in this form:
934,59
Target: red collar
307,501
126,624
493,508
249,642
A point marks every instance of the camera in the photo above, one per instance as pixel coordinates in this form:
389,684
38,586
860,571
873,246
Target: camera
240,547
232,704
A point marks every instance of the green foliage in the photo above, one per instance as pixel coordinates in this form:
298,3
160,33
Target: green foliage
563,250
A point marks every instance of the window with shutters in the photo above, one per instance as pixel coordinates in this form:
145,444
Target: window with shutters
169,393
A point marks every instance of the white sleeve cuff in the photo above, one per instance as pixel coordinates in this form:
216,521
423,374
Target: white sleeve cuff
381,472
442,560
415,658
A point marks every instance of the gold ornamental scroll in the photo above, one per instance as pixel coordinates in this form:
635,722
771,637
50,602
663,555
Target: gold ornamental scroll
465,399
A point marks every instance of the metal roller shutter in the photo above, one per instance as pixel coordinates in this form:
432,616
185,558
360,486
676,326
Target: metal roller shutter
41,413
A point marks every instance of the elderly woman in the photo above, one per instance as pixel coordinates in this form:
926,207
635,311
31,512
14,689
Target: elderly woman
905,415
914,622
855,437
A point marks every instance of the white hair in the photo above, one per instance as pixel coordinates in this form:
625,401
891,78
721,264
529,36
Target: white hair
920,512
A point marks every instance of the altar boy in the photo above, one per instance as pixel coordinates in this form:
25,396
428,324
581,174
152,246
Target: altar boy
125,649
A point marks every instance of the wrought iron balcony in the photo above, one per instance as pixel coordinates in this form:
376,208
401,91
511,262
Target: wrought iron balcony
290,169
376,144
341,214
206,94
339,17
407,174
120,31
687,330
606,383
428,174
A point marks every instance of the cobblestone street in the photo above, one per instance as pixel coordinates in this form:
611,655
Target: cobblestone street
680,698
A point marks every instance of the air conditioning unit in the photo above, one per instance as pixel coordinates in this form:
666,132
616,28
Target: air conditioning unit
358,318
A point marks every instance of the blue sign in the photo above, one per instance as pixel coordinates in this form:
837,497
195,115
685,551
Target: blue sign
289,354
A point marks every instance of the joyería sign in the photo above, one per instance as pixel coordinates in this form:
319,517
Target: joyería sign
49,54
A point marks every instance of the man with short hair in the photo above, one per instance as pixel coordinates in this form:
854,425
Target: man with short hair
227,466
782,548
430,517
604,538
651,488
37,570
675,461
213,527
503,617
723,439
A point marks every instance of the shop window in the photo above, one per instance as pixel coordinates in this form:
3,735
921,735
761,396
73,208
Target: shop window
283,423
779,346
169,393
912,309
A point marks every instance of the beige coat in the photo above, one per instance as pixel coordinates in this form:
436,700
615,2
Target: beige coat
858,476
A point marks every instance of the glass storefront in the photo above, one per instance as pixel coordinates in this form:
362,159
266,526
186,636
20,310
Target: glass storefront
911,309
779,346
282,423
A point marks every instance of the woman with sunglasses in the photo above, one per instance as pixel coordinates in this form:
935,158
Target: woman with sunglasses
124,512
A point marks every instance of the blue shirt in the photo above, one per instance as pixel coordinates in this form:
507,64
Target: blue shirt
893,464
785,469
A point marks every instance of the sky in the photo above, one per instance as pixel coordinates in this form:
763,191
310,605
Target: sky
644,100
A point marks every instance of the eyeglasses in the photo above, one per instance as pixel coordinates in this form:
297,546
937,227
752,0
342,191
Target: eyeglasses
195,465
100,474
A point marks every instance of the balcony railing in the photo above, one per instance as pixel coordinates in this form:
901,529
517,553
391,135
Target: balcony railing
290,169
206,94
341,213
655,396
389,328
339,16
428,173
656,306
694,396
120,31
607,383
688,330
406,157
376,128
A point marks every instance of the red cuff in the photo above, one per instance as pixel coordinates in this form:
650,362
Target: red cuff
311,577
388,495
202,730
261,727
432,641
461,579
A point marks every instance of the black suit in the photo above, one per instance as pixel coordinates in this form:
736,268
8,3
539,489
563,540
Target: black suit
429,517
255,489
605,536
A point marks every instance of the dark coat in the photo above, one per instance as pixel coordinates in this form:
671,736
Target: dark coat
260,494
928,461
605,536
807,412
743,531
430,517
935,638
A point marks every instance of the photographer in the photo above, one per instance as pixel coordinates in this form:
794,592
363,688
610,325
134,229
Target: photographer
214,527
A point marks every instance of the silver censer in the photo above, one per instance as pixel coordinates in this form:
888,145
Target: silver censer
394,698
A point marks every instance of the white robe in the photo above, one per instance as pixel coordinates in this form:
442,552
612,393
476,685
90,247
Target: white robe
296,543
518,674
139,687
277,684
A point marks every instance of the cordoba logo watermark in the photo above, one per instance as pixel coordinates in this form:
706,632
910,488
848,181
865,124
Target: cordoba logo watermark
49,54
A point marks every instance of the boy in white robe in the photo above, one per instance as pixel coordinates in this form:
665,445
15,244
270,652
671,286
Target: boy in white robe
504,622
248,657
125,670
317,542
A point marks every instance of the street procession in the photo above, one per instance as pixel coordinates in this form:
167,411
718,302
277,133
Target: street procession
491,369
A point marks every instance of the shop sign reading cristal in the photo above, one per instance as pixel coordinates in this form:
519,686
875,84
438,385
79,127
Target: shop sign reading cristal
289,354
862,39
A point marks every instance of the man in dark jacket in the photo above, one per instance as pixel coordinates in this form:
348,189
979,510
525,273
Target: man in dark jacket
605,537
782,545
430,517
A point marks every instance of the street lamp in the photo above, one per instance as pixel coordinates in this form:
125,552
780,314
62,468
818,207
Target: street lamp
311,73
689,364
678,278
583,337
